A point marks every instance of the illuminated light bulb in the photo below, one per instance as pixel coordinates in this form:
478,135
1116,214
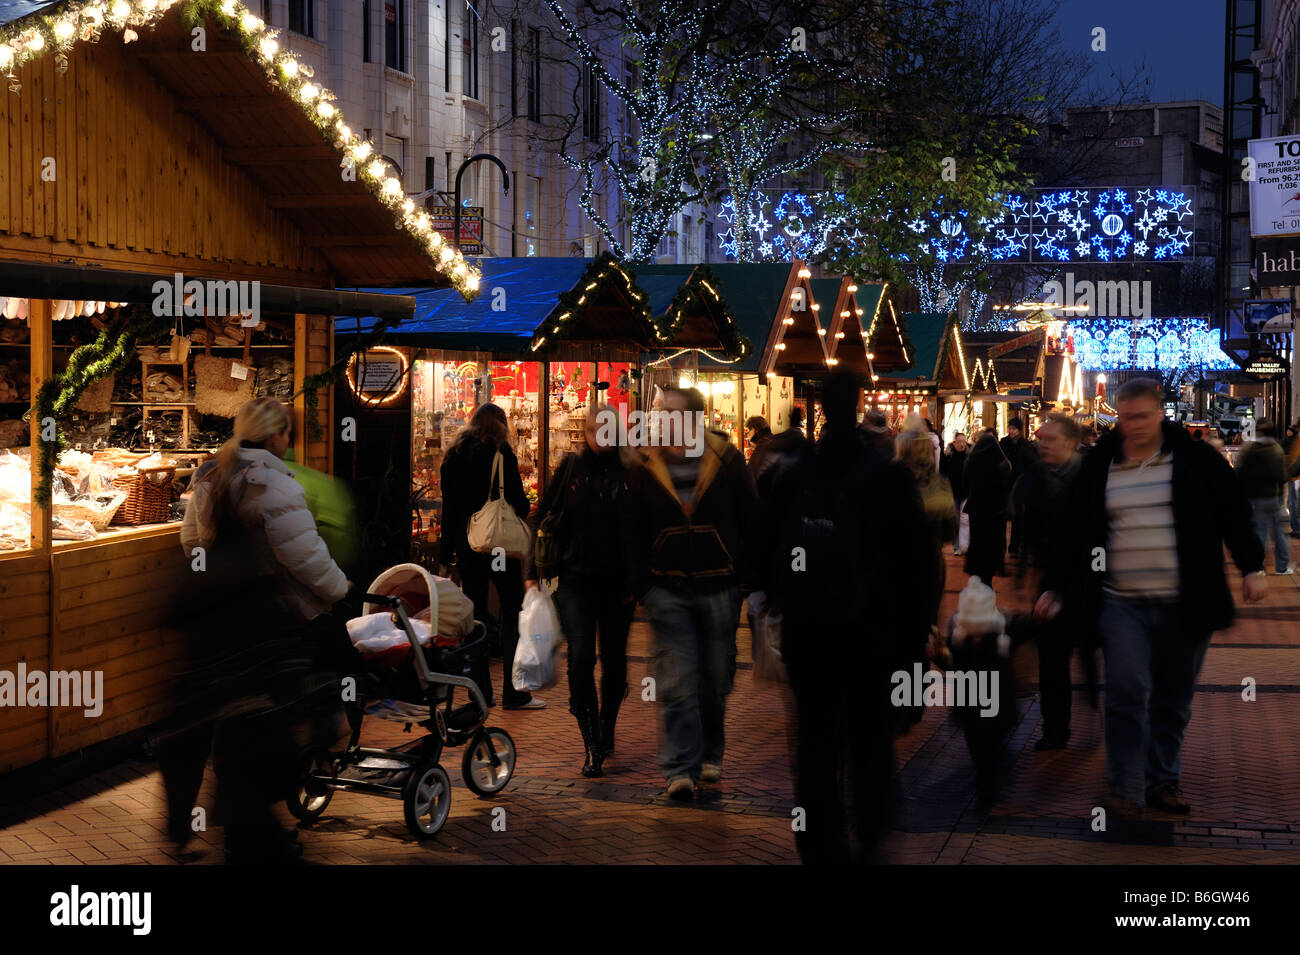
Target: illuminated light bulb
821,331
805,273
268,47
37,42
309,91
129,35
361,151
871,356
250,23
684,381
148,6
781,346
875,377
392,186
853,288
471,283
844,314
345,132
771,374
422,222
325,110
839,334
446,255
787,321
408,206
816,307
461,270
376,169
120,9
228,7
94,14
63,29
6,56
859,313
435,238
290,68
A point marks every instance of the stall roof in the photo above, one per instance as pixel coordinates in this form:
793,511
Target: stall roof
687,301
927,331
269,128
755,292
518,296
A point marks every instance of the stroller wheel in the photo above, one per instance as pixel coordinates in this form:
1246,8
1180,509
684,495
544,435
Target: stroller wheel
311,796
482,778
427,800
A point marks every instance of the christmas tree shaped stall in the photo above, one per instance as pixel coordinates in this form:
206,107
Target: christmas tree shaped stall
797,346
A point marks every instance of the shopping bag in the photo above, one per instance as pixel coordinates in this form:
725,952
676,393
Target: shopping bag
963,531
539,643
496,524
765,633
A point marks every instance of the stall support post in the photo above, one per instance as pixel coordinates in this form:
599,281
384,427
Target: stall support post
300,400
544,427
42,362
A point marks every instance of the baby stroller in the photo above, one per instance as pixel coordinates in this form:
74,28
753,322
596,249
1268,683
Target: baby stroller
411,680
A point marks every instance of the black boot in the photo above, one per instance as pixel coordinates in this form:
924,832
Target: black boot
609,716
588,717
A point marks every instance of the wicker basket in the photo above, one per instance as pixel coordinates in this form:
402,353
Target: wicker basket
148,496
99,517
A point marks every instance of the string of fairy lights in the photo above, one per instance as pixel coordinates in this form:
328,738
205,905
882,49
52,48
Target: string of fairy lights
86,21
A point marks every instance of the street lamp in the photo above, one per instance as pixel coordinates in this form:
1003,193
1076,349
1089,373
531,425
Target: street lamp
460,172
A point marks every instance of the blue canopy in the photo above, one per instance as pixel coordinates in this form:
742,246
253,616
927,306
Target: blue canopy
516,296
11,10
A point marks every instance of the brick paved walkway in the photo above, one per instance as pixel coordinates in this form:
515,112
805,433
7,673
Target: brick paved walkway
1241,773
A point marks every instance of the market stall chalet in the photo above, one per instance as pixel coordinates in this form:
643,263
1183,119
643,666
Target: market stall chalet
688,302
547,338
936,383
140,173
1011,377
762,301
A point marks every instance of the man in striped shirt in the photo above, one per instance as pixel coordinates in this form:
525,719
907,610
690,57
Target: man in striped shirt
1144,568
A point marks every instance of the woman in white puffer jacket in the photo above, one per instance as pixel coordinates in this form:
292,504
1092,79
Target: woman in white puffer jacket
252,480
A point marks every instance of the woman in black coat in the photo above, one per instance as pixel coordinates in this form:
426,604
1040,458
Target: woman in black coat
466,486
988,482
589,492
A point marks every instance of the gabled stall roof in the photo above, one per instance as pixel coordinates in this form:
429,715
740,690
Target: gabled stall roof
1013,358
530,301
756,294
688,302
939,354
273,121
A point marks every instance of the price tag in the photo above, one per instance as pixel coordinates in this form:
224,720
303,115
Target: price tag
239,371
249,321
149,436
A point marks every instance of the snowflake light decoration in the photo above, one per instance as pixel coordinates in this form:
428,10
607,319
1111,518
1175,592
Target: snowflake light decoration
796,225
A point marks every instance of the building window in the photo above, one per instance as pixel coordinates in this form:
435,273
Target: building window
469,50
532,215
514,69
266,12
534,74
395,35
590,105
302,17
365,31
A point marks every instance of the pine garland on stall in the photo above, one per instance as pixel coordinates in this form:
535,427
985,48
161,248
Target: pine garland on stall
312,385
59,394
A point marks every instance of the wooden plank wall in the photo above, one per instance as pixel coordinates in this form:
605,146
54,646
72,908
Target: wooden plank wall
315,354
24,638
135,181
108,612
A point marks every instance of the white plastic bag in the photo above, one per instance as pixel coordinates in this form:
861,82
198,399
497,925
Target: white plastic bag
963,531
539,643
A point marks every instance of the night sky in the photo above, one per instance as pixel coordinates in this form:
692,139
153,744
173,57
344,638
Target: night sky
1180,41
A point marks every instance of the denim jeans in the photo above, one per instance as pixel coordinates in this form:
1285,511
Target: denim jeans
1267,514
1152,661
694,665
1293,504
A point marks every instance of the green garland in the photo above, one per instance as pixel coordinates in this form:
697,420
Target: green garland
59,393
598,271
734,343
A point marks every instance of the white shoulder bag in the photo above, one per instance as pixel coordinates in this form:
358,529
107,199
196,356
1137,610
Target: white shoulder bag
496,524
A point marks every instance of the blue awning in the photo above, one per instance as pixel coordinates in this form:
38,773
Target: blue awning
11,10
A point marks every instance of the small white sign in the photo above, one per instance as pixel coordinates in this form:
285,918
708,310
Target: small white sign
1275,188
250,321
238,371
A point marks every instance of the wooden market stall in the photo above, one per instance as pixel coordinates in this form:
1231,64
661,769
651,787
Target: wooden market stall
547,338
137,171
1010,376
936,383
762,301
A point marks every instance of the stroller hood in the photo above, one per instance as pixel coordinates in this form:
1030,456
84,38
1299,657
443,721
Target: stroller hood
426,597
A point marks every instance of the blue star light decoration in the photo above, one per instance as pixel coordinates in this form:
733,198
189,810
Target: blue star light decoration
1081,225
796,225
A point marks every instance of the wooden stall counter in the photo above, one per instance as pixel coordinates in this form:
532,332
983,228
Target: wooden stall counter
92,607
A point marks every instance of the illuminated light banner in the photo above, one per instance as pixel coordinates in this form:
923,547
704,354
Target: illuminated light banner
784,226
1072,225
1165,344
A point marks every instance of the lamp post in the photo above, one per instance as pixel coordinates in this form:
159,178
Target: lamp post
460,172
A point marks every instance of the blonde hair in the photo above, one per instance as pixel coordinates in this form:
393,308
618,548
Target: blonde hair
256,422
915,449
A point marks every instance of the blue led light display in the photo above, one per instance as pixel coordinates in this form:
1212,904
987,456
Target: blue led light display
1157,344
